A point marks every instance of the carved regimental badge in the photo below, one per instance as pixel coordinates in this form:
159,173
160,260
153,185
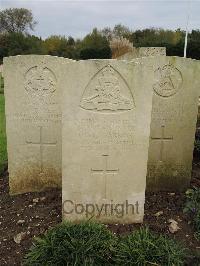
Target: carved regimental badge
40,81
152,51
169,80
107,91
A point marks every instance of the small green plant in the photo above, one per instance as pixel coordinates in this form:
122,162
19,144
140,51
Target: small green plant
197,145
86,243
91,244
192,208
145,248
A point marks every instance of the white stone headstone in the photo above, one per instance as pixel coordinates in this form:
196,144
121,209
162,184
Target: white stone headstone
152,51
33,122
106,107
143,52
173,123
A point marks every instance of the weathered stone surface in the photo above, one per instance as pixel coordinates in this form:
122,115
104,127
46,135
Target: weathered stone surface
33,122
152,51
105,137
173,123
143,52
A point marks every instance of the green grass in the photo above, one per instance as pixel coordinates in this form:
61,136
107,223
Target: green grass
143,248
84,244
3,150
92,244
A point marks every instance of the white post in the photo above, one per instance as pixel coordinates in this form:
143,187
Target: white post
186,33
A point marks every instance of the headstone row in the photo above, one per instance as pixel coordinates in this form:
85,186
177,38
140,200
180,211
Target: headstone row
33,122
110,119
173,121
143,52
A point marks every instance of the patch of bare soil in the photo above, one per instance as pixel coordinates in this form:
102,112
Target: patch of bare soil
23,217
29,215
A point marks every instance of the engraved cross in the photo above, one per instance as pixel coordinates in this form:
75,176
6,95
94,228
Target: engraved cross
41,145
40,81
162,140
104,172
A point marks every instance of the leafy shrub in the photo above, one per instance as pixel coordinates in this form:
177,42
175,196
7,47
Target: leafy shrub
95,53
145,248
192,208
86,243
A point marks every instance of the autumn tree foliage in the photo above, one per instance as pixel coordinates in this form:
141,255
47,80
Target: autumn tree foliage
15,38
16,20
120,46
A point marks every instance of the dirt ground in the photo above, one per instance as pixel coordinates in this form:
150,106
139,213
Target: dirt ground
33,213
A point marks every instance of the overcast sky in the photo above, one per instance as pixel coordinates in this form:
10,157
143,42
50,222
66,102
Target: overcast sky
77,18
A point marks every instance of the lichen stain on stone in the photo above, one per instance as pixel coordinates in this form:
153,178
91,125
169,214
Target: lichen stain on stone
168,177
29,179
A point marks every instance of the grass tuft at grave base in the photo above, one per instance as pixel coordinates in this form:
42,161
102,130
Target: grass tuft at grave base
142,247
86,243
3,149
89,243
